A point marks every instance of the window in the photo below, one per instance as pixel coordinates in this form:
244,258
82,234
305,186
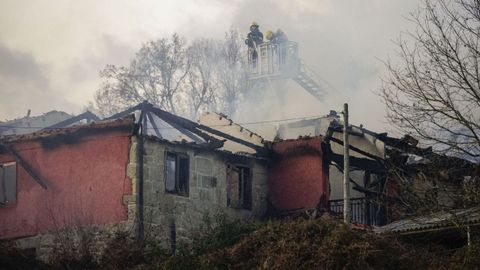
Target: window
8,183
239,187
176,173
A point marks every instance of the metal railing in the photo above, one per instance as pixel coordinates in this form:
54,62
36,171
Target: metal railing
363,211
273,60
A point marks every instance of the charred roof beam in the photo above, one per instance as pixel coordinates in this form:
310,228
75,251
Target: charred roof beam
25,165
155,128
189,128
126,112
184,125
361,163
199,128
358,150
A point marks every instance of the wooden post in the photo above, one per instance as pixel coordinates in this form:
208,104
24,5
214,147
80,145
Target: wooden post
140,152
346,168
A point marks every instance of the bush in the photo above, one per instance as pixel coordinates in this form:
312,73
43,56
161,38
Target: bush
15,259
219,232
315,244
123,252
467,257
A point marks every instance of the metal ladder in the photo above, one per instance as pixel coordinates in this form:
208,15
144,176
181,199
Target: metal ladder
271,66
305,78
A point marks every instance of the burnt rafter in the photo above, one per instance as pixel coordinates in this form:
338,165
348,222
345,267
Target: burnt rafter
200,129
406,144
358,150
155,128
126,112
361,163
370,190
259,149
24,164
183,126
195,131
89,116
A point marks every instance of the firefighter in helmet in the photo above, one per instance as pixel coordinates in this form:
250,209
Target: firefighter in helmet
281,40
280,37
269,35
254,38
278,40
277,37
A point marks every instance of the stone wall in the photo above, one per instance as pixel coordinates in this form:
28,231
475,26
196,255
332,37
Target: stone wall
170,216
163,212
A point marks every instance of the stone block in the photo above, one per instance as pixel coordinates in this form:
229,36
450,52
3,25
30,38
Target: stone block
132,212
203,165
132,170
150,160
205,195
133,151
206,181
147,186
129,199
155,172
158,186
150,197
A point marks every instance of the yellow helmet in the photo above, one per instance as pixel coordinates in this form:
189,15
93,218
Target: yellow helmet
269,35
254,23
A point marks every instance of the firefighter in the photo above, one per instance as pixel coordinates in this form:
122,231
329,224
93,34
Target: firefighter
281,39
254,38
277,37
269,35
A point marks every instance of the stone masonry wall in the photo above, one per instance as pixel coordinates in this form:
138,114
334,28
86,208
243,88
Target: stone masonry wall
165,212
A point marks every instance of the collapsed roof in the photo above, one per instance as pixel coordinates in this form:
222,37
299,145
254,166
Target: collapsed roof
167,126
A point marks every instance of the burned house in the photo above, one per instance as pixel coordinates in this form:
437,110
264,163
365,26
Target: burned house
367,174
184,173
159,174
381,168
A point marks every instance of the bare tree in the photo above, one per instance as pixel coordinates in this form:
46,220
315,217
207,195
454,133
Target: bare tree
434,93
186,80
156,74
203,58
232,72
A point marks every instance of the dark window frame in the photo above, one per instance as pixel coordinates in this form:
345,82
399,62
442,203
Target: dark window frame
245,187
8,183
182,177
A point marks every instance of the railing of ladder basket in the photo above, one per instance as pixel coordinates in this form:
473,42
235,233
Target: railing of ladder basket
274,59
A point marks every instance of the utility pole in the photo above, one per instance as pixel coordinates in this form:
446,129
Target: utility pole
346,168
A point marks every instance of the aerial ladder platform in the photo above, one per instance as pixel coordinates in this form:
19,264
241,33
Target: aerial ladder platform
276,61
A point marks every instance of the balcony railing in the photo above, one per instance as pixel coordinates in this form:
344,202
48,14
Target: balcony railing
363,211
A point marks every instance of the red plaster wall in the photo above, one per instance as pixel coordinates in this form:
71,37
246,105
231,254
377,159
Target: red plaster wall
298,178
86,182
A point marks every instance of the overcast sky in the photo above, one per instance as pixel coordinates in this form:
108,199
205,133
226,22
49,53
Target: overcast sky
51,51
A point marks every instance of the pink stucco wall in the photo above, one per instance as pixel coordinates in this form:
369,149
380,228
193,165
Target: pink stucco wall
298,177
86,183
